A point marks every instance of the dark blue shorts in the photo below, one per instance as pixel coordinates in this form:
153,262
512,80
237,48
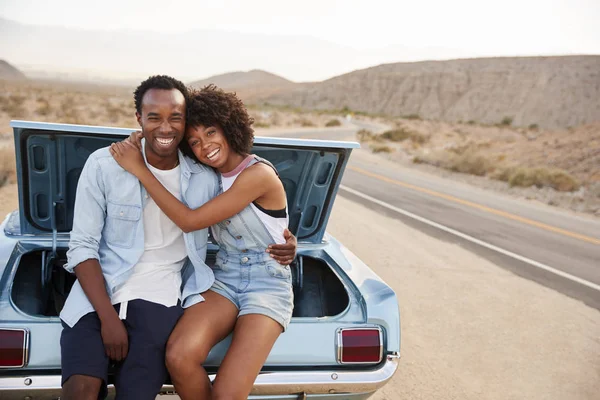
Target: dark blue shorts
143,372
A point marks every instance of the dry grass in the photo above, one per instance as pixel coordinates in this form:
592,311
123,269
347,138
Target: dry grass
8,172
78,103
467,161
542,177
381,148
333,122
401,134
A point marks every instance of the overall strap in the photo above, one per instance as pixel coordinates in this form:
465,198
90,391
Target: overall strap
257,159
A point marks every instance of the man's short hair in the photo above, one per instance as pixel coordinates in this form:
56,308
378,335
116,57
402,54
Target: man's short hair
157,82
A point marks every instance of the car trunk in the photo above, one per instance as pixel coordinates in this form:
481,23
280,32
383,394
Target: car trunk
41,285
49,160
321,302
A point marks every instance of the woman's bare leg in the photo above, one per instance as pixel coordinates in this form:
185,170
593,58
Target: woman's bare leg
253,339
202,326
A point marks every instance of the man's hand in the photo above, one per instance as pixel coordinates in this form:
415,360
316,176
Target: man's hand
114,337
284,254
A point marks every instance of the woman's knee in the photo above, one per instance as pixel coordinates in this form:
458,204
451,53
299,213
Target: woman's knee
228,391
181,356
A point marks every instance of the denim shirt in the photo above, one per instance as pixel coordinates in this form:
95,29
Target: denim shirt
108,226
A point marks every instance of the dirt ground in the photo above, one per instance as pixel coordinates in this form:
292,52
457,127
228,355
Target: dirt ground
471,330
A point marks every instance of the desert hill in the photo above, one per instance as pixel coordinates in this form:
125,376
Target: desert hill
8,71
546,91
250,84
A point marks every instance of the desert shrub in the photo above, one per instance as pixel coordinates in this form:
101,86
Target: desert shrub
542,177
44,108
13,106
534,127
396,135
504,174
305,122
8,172
471,122
378,148
364,135
333,122
261,125
401,134
506,121
469,162
412,116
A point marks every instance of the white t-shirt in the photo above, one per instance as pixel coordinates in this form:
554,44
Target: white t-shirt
157,275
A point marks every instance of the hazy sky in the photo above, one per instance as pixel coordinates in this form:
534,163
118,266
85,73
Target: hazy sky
450,29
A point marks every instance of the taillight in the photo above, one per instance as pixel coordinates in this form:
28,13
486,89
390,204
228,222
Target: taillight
13,348
359,345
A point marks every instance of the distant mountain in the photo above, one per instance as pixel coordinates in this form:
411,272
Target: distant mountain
250,84
548,91
7,71
125,54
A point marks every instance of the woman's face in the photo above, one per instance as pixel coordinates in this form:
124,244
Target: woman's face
209,145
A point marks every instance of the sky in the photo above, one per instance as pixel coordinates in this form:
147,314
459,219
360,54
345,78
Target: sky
432,29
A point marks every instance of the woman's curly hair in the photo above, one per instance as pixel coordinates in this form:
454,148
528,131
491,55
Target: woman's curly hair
211,106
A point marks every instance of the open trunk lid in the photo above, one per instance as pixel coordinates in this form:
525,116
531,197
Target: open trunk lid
50,158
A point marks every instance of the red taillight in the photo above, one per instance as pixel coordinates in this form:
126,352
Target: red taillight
13,348
360,345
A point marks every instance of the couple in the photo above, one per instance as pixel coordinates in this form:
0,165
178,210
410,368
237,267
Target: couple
138,249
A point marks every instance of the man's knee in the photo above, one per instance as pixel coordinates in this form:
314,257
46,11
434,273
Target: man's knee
81,387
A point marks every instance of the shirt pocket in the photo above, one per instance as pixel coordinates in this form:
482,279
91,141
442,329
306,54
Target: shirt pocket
121,224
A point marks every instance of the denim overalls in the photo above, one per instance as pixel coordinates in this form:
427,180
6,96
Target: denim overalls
244,273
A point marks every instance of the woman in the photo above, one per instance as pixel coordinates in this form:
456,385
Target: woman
252,295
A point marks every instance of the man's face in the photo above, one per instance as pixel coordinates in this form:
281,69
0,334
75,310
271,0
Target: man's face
162,121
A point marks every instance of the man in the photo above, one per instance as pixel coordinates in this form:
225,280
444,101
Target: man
135,269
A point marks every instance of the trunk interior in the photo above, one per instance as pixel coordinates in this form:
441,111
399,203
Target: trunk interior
41,285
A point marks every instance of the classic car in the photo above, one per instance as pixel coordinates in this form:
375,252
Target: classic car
344,338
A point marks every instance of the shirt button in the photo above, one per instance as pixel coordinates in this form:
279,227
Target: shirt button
146,196
244,259
238,237
227,222
121,213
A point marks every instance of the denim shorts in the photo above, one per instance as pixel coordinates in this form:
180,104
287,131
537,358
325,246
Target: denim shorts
256,284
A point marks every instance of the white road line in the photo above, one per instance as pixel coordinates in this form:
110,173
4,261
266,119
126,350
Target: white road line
472,239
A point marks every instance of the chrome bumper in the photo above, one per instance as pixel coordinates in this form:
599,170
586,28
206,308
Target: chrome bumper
44,387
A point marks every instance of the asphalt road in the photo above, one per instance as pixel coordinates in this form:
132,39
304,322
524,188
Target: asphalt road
556,248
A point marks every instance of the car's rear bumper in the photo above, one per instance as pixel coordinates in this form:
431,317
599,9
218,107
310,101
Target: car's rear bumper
267,383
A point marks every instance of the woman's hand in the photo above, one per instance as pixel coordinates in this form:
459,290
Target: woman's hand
128,156
135,138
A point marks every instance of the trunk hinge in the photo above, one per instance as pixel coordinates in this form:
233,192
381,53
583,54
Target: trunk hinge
48,259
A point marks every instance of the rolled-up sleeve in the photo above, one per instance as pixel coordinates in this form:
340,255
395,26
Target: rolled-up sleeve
89,215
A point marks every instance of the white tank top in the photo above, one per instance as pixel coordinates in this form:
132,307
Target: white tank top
275,225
